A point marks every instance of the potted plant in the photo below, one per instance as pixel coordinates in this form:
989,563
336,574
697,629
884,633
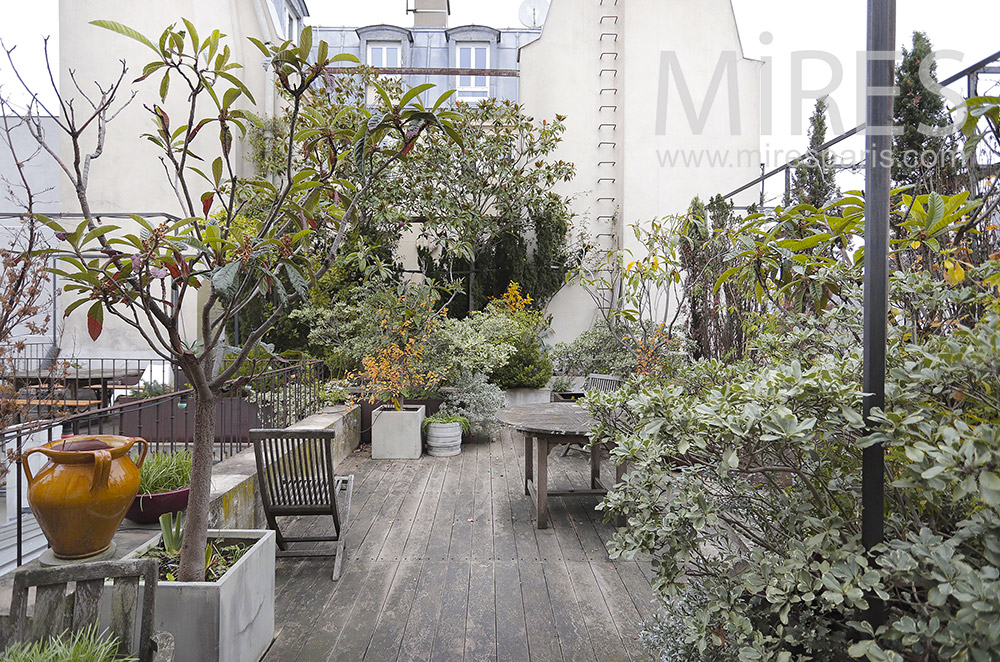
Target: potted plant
444,434
230,616
391,374
164,484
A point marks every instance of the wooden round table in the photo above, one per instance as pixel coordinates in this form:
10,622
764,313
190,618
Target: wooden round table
545,425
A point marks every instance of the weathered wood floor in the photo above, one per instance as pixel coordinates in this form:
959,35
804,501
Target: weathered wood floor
444,563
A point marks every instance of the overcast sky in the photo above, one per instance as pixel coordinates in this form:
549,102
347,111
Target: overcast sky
775,29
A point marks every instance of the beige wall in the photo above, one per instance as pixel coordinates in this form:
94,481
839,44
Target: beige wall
599,65
128,177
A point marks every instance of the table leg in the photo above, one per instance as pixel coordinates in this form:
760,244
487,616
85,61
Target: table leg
542,484
528,468
595,466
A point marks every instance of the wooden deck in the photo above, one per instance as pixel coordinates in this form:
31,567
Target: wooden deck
444,563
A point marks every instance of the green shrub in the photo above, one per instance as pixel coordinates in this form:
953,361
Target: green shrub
87,645
527,367
476,399
165,472
596,351
447,418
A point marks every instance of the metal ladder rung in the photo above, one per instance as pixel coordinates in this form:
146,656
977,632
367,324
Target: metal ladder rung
606,180
604,143
613,54
608,70
606,163
614,19
608,106
613,35
607,217
613,90
606,199
605,125
614,3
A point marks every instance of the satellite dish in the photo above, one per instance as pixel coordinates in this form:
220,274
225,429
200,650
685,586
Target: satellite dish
532,13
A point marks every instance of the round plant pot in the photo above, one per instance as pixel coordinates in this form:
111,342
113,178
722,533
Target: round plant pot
82,493
147,508
444,439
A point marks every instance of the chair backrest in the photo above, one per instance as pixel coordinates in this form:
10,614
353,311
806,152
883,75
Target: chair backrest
295,467
604,383
58,609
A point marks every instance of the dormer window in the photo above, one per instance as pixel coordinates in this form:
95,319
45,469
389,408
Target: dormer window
472,55
384,54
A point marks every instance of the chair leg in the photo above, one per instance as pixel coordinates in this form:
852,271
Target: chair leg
346,483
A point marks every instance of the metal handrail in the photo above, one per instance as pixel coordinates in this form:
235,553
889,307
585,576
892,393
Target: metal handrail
859,128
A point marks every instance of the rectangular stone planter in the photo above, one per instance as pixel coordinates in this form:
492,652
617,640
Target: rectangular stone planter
396,435
526,396
231,620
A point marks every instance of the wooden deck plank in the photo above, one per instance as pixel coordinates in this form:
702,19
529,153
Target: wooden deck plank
371,547
367,516
449,640
444,517
543,645
623,611
483,519
574,640
570,546
512,635
415,546
639,588
402,524
388,635
504,546
608,646
522,512
422,621
480,623
460,547
359,626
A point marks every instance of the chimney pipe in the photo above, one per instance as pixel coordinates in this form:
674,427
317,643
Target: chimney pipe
430,13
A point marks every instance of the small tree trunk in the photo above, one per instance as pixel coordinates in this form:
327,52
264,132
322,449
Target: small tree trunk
196,522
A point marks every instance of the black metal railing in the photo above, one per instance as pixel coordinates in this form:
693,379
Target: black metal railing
273,399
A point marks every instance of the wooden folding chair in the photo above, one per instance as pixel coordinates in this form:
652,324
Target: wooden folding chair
595,382
295,475
59,609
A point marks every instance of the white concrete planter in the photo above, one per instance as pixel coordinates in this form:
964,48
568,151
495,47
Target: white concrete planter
444,439
527,396
396,434
231,620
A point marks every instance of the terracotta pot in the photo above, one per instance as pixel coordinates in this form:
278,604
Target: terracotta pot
147,508
81,494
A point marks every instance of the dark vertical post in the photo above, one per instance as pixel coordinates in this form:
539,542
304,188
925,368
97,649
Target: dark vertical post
878,146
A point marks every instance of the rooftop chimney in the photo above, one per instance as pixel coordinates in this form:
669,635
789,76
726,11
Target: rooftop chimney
430,13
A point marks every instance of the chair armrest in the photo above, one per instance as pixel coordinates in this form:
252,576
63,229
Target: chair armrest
163,642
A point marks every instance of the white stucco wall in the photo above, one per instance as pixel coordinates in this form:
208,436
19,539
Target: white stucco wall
128,177
599,64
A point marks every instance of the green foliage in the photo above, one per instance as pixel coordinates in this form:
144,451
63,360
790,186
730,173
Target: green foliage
814,180
475,398
165,472
172,531
447,418
86,645
744,478
595,351
922,155
150,390
527,367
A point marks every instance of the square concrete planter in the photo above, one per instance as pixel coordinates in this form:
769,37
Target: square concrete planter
396,435
527,396
231,620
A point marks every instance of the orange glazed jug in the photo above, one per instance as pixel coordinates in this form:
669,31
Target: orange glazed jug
82,493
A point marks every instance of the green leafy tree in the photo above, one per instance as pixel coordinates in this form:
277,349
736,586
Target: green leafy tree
145,277
814,181
922,155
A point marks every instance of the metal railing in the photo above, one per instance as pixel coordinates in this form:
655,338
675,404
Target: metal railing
273,399
970,73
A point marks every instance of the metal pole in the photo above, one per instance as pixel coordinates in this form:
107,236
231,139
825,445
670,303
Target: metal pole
878,147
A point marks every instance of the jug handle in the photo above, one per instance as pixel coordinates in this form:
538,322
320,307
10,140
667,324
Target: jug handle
142,455
102,470
24,463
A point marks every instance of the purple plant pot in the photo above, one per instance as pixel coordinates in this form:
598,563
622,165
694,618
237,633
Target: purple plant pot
147,508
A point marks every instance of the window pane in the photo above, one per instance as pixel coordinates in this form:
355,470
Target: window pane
392,57
376,57
465,81
480,81
480,58
465,57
